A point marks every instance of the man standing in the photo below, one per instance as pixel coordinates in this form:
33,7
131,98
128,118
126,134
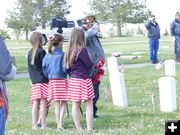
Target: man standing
175,32
96,52
154,36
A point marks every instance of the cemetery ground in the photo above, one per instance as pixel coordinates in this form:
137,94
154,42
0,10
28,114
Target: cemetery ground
141,117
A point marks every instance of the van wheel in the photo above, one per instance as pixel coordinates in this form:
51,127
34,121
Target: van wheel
44,40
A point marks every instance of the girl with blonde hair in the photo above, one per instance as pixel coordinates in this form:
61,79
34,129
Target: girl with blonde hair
80,85
38,79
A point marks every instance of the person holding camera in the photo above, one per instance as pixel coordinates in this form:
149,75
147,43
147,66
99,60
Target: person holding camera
175,32
96,52
154,35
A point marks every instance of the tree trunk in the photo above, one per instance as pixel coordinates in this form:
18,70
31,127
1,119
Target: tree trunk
43,24
26,34
119,32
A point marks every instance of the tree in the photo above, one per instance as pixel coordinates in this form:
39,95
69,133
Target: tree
120,12
21,18
29,14
46,9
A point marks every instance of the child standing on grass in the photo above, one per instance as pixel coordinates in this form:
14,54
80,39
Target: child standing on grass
79,86
38,79
53,69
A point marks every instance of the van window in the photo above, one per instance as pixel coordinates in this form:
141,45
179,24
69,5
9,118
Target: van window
79,23
70,24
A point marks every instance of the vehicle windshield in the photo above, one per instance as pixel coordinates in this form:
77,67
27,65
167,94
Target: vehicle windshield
70,24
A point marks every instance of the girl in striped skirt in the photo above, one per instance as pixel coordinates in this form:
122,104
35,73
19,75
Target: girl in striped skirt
79,85
38,79
53,69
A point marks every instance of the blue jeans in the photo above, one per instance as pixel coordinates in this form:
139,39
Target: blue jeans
177,38
2,121
153,46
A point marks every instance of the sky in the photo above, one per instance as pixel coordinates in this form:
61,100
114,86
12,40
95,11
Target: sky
163,9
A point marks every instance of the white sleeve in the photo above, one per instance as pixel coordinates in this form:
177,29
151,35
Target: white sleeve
11,75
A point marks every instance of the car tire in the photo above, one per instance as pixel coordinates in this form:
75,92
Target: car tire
44,40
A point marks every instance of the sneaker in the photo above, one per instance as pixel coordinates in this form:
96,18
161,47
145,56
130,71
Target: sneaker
46,127
39,125
60,129
178,60
95,116
152,62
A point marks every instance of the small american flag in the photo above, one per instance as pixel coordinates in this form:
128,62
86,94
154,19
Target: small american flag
121,67
107,93
159,65
153,96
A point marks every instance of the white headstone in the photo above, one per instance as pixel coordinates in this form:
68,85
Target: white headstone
117,83
118,89
112,64
170,67
167,93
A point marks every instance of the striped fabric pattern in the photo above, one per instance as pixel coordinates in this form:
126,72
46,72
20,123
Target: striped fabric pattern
80,89
39,90
57,90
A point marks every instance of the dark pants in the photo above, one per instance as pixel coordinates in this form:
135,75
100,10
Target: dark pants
96,93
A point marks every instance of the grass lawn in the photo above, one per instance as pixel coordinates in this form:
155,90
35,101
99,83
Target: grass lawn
126,45
141,117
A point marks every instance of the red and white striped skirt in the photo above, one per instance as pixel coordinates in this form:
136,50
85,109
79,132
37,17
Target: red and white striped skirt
39,90
80,89
57,90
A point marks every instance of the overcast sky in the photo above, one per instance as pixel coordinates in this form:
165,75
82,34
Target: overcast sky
163,9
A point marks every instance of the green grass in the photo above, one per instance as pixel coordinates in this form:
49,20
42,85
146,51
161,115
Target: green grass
121,44
141,117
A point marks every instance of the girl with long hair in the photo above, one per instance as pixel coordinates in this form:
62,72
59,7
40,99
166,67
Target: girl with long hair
38,80
79,85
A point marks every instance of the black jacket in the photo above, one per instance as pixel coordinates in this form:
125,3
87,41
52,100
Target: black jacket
35,71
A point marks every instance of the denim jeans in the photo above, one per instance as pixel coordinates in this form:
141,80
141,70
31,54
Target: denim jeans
2,121
153,46
177,38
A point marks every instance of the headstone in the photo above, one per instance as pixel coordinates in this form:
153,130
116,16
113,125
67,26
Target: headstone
117,83
112,64
118,89
170,67
167,93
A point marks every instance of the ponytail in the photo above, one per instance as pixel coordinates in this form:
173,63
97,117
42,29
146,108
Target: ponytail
54,41
50,47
